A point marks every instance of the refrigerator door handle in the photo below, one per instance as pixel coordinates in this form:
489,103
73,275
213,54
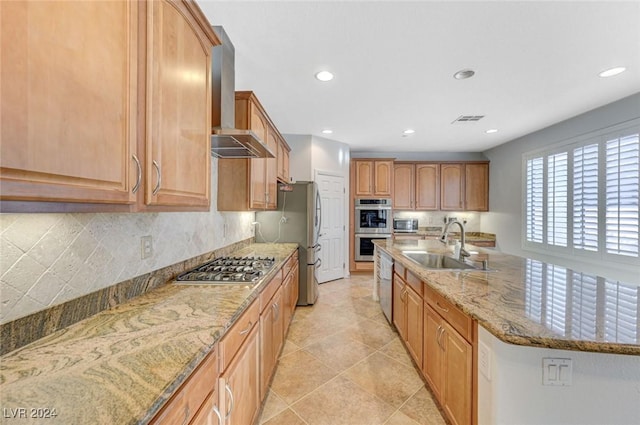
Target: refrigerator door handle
317,247
318,263
318,218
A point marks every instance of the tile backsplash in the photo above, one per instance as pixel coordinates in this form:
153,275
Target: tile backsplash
436,218
48,259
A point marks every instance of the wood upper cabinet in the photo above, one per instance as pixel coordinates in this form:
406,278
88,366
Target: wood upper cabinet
178,152
283,161
250,184
68,101
416,186
403,186
373,177
464,186
93,116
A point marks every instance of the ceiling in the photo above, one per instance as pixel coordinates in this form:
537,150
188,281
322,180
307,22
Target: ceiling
536,63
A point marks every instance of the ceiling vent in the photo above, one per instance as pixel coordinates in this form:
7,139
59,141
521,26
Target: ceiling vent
467,118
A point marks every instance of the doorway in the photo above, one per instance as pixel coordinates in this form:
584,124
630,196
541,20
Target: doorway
332,227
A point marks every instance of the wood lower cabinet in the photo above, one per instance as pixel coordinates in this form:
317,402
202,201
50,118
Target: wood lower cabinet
271,338
290,292
196,402
407,315
93,116
448,363
372,177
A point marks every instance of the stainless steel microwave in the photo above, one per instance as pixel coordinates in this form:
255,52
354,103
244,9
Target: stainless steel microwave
373,216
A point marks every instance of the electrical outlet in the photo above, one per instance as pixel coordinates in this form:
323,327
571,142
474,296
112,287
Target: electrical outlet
557,371
284,219
146,246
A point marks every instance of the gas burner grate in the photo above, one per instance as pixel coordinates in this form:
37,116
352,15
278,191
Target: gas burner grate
245,270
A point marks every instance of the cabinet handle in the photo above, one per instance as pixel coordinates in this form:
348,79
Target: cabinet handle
217,412
139,174
446,310
228,390
248,328
438,336
157,167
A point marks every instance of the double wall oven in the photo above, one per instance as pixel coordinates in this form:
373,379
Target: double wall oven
373,220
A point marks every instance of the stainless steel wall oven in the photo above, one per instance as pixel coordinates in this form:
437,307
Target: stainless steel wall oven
373,216
364,247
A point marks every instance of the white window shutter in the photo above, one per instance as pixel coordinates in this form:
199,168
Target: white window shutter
535,200
585,198
557,189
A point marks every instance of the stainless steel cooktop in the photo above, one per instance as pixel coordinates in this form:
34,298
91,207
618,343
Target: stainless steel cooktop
229,270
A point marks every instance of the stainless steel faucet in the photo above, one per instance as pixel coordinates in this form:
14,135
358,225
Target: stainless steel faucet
443,238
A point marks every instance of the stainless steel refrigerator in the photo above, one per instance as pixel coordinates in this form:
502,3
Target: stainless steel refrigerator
297,219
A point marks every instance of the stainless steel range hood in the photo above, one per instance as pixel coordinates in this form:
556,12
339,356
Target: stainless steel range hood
227,141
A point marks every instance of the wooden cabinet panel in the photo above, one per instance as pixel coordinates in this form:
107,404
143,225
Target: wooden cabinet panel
432,352
383,178
68,101
363,178
271,176
427,187
414,333
403,186
452,187
240,383
476,187
457,373
178,110
237,334
399,311
271,338
283,161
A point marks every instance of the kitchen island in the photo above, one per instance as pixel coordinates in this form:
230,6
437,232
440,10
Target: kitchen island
527,311
121,365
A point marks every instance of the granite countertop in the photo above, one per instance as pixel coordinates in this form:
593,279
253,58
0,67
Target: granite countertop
528,302
121,365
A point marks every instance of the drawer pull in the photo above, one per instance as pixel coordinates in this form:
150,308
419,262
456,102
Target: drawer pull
248,328
217,412
446,310
228,390
186,415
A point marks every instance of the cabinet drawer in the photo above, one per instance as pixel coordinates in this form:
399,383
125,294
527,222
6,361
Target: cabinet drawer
269,290
414,282
453,315
286,269
235,336
184,404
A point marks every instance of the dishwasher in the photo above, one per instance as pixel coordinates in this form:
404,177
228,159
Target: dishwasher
384,274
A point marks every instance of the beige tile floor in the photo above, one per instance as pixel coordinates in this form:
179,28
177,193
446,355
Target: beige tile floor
342,363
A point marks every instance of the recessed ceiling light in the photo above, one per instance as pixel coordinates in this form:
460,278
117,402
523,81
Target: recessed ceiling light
463,74
327,131
491,131
324,76
612,71
408,131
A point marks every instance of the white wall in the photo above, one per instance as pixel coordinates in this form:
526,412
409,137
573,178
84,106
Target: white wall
605,388
505,180
47,259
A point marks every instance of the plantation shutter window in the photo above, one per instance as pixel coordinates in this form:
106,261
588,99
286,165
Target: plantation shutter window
585,197
535,200
557,186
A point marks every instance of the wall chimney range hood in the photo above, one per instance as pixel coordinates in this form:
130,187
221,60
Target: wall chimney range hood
226,140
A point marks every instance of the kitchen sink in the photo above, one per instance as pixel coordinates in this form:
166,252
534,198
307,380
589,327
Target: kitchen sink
438,261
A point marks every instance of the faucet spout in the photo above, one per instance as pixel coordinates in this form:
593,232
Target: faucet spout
443,238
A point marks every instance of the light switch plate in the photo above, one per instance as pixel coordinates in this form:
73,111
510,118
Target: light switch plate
146,246
484,360
557,371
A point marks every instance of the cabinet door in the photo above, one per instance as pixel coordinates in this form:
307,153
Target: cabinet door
240,382
476,177
399,310
286,176
413,303
432,351
178,109
451,187
403,186
272,170
271,338
427,187
383,178
258,193
68,101
364,178
457,376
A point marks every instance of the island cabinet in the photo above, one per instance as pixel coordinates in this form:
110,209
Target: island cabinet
240,369
250,184
416,186
372,177
196,401
271,330
464,186
93,118
448,364
408,310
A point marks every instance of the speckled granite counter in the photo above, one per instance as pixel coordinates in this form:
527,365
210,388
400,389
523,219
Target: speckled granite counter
528,302
121,365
